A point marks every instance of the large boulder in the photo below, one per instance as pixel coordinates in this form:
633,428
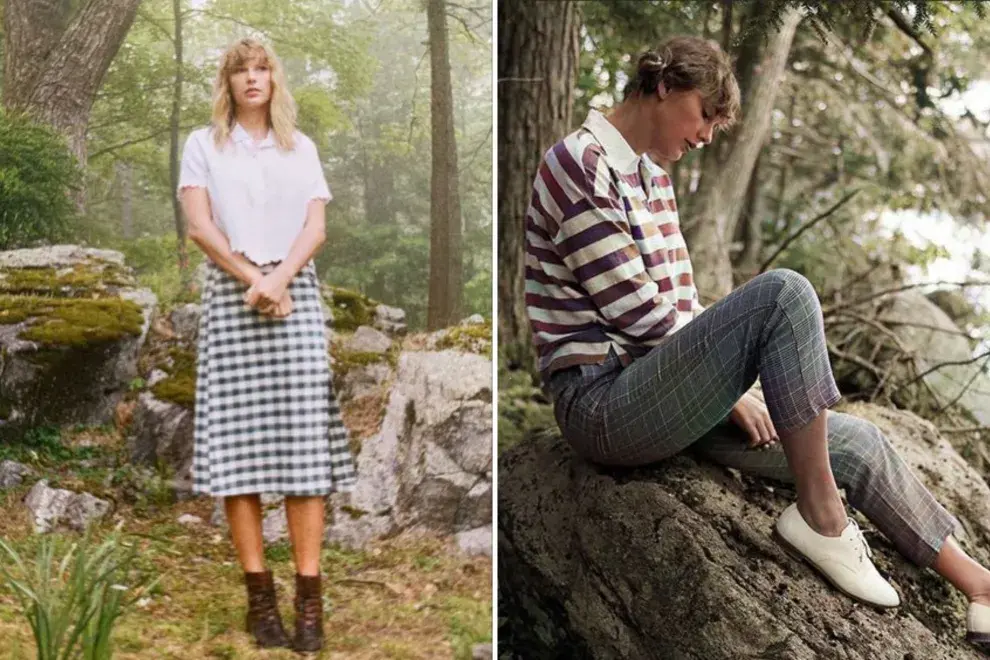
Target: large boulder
925,332
72,321
676,561
429,466
162,433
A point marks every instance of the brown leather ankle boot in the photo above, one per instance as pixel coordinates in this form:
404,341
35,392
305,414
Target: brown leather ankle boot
309,614
263,619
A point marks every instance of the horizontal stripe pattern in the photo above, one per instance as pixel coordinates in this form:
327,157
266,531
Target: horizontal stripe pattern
606,264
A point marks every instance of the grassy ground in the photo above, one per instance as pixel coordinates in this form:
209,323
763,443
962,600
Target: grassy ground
412,598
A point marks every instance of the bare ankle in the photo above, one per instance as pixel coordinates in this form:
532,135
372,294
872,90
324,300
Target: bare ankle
827,522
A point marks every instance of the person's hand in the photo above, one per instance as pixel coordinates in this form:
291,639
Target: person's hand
267,293
280,310
751,414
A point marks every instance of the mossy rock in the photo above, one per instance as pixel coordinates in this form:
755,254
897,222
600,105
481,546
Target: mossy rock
72,322
345,360
81,280
180,386
351,309
468,338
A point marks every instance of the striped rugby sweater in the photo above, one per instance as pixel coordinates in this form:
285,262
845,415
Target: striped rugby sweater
606,264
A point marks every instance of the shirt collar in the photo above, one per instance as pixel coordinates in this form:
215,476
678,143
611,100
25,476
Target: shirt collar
239,134
617,151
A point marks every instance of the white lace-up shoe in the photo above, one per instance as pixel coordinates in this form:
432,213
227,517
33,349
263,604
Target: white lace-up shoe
844,560
978,625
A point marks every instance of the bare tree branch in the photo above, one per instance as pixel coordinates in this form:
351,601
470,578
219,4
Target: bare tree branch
855,359
806,226
965,387
941,365
832,309
146,16
136,141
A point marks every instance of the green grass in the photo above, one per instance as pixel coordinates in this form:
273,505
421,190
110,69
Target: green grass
403,596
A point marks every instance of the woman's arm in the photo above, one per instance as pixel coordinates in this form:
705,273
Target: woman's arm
205,233
594,240
269,289
310,240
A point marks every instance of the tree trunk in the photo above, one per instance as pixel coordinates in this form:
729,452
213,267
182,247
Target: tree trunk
446,258
126,177
716,213
54,62
173,154
750,258
538,49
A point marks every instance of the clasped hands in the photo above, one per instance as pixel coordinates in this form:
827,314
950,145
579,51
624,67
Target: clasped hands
750,413
269,294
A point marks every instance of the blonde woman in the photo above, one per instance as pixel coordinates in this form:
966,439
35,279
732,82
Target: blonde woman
266,419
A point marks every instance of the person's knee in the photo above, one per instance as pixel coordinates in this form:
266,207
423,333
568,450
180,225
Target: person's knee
862,453
794,287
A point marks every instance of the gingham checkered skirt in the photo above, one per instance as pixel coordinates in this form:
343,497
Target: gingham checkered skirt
266,418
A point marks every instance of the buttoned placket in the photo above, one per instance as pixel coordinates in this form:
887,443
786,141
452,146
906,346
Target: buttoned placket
256,191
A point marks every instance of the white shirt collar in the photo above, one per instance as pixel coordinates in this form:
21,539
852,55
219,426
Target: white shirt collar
617,150
240,134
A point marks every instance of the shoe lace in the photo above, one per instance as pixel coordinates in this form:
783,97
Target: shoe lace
862,544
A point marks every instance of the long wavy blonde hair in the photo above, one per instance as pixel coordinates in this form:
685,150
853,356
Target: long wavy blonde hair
282,108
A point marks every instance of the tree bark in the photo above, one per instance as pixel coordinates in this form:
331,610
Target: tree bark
718,210
446,255
126,177
54,62
751,228
538,49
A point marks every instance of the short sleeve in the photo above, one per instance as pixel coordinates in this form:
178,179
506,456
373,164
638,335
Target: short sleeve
193,168
318,188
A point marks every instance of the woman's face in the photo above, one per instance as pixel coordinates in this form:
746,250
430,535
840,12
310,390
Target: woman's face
680,123
251,84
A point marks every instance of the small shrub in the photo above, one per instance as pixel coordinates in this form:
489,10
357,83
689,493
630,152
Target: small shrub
73,606
37,175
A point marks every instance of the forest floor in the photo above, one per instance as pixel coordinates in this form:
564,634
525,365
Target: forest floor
403,598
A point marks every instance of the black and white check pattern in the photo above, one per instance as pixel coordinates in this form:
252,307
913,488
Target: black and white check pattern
266,418
680,393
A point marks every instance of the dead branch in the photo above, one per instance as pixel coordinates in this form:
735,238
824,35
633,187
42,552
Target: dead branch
942,365
854,359
965,387
808,225
832,309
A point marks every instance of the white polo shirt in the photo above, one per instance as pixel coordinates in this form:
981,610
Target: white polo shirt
258,192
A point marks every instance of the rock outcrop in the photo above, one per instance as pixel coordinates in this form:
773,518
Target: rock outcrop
72,320
920,329
429,466
54,507
676,561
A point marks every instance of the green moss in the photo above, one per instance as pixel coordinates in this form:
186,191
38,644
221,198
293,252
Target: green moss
469,338
180,386
345,360
72,321
81,280
351,309
177,389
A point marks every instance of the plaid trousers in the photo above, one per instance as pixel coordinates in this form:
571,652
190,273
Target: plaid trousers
680,393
